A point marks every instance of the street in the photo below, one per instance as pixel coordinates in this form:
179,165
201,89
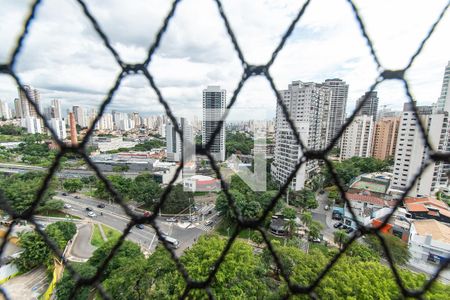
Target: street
27,286
114,216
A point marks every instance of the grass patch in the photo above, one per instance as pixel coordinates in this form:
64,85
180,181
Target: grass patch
57,214
10,138
110,233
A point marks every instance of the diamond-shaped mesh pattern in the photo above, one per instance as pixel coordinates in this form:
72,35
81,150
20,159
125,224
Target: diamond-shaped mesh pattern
249,71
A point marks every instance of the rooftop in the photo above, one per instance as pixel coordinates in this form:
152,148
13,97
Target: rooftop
437,230
366,198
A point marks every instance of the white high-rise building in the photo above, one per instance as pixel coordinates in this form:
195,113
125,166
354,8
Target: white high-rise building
56,107
214,103
105,122
444,98
305,104
334,111
173,142
59,126
411,152
5,111
32,124
357,138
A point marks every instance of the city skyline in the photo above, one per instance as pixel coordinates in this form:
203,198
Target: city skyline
183,65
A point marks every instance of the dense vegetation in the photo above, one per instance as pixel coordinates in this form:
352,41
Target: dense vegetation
246,275
20,191
238,142
149,145
35,250
145,190
348,169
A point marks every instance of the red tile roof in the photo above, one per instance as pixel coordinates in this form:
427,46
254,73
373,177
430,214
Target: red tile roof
365,198
416,207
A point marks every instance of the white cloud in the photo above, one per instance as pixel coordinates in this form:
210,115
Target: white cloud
65,58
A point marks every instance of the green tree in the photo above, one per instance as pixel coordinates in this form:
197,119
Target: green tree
20,190
340,238
65,286
50,205
35,251
73,185
398,248
304,199
149,145
306,218
145,189
290,226
178,200
121,184
314,229
127,250
289,213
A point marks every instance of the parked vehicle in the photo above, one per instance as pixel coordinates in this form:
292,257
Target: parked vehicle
172,219
64,194
67,206
209,223
77,197
101,205
338,225
92,214
326,207
350,230
336,216
345,227
140,226
88,209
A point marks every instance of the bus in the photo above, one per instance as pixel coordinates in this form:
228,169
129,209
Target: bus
173,243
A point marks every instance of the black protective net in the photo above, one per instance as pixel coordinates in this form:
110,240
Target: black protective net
255,224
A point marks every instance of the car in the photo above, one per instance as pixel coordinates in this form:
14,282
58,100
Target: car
64,194
77,197
209,223
336,216
88,209
91,214
326,207
101,205
349,230
345,227
67,205
321,192
315,240
140,226
171,219
338,225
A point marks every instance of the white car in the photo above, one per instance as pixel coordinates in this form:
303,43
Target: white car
91,214
67,206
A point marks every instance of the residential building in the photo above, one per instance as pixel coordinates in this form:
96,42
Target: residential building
334,111
59,126
429,246
357,138
26,109
5,111
427,208
173,142
32,124
370,106
214,103
80,116
105,122
444,98
305,104
412,153
56,105
366,208
17,108
385,138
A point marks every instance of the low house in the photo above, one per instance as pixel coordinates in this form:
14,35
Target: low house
397,225
366,208
429,245
427,208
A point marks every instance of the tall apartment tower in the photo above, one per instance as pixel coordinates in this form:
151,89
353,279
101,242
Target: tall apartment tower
174,144
59,126
385,137
444,98
56,108
305,104
357,138
73,129
411,152
214,103
335,110
370,107
26,109
80,116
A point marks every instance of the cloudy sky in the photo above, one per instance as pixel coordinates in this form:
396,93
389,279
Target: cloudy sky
64,58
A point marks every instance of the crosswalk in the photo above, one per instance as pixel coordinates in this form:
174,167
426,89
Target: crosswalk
204,227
